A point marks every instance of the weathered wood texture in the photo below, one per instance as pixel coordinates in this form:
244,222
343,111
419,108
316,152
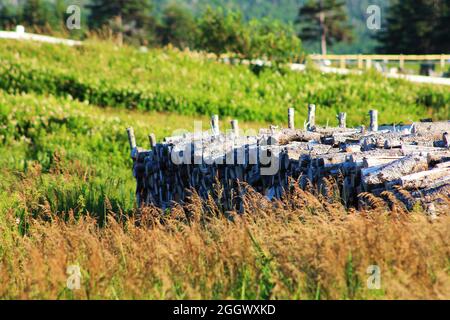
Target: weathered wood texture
359,161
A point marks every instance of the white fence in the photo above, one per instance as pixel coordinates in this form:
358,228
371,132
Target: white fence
20,34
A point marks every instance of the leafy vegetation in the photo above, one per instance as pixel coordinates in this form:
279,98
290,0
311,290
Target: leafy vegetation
325,20
225,32
73,156
410,20
67,190
66,184
215,30
195,252
187,83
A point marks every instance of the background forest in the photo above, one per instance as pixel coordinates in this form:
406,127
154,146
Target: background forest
231,23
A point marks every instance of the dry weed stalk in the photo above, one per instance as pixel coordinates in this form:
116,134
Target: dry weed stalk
295,248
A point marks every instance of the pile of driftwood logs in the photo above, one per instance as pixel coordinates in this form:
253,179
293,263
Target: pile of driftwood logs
415,158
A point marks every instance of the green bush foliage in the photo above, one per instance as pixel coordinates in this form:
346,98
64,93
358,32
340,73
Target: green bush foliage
188,83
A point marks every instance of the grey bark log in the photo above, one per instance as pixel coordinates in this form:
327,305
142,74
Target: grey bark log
311,117
373,120
396,169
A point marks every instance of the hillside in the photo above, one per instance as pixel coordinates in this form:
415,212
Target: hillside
186,83
67,199
67,191
287,11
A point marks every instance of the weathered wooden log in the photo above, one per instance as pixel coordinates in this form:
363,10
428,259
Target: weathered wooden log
215,125
131,138
436,192
342,118
438,157
444,143
235,127
420,180
291,118
443,165
330,141
395,170
362,163
368,143
152,140
350,148
311,117
431,128
373,120
379,160
286,136
446,139
337,132
392,143
420,149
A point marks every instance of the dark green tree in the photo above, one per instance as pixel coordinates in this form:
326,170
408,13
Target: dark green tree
221,32
270,40
59,13
9,15
416,27
178,27
130,20
36,13
325,20
442,35
274,41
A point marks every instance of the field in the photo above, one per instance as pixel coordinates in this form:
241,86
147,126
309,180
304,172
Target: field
67,190
186,83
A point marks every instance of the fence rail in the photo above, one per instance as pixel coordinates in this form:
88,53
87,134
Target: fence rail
368,59
20,34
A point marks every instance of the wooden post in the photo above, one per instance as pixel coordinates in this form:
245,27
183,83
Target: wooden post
442,62
373,120
446,139
291,118
152,139
402,62
131,138
342,118
368,64
342,63
363,129
235,127
311,117
215,124
360,62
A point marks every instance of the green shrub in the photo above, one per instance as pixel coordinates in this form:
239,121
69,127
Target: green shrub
188,83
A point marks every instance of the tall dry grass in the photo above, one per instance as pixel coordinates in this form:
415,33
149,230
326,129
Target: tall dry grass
302,247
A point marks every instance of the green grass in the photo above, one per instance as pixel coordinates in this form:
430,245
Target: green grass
63,115
73,156
181,82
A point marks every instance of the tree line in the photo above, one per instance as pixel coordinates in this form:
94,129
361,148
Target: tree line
215,30
416,27
407,26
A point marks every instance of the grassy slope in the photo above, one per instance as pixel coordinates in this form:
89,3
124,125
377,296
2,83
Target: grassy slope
80,151
303,249
166,80
61,157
